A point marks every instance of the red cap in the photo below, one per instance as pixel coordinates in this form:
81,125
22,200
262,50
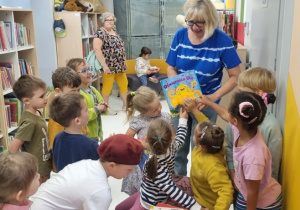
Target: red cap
121,149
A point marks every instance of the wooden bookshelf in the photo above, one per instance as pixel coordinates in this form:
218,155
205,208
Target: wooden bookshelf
22,46
79,39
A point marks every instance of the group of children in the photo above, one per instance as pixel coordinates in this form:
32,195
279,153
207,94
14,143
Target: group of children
148,162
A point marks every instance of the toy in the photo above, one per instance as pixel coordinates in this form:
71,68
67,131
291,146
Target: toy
74,5
59,5
93,6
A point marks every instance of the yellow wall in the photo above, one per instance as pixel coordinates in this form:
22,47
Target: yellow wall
291,145
230,4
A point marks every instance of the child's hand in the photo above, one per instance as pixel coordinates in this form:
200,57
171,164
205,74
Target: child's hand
183,113
203,102
189,104
102,106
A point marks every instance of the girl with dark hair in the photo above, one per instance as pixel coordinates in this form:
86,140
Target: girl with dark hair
143,68
252,158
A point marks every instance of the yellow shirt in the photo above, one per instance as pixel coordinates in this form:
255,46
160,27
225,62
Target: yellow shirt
210,180
53,129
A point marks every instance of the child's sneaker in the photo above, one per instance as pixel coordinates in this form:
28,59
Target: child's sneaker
153,79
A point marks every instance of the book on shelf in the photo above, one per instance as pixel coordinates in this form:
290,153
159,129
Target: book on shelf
4,43
17,110
8,29
13,112
178,87
8,116
82,30
7,77
25,67
22,34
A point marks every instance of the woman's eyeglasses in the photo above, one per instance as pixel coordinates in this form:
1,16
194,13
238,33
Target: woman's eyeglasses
197,23
110,20
85,71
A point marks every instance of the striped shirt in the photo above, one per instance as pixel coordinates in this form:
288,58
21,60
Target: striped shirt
157,190
207,59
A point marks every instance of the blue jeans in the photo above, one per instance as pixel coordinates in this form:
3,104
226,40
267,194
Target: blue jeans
181,159
144,78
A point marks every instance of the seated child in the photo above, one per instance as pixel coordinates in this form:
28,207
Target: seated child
94,100
19,179
32,134
64,80
211,186
157,183
84,184
143,68
70,146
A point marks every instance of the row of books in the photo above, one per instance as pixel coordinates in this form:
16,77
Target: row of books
86,48
7,75
226,22
91,28
13,110
25,67
22,35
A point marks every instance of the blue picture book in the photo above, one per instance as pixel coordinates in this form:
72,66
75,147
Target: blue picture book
178,87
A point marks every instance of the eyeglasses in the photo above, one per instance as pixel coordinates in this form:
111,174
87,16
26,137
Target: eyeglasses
110,20
85,71
197,23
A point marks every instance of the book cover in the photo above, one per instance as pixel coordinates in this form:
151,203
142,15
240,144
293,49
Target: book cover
4,47
178,87
162,206
8,29
13,112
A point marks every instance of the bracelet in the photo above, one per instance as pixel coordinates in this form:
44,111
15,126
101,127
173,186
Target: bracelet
98,110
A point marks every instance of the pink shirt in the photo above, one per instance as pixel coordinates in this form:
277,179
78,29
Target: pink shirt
253,161
14,207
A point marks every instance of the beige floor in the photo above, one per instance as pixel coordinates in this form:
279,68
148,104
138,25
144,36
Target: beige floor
114,125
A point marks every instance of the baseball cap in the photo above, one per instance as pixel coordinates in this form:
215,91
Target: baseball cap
59,28
121,149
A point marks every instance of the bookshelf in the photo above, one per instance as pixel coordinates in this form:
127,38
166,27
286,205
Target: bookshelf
17,56
78,42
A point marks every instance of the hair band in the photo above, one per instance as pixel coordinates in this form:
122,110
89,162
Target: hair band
216,147
251,121
159,138
132,93
265,98
203,132
241,106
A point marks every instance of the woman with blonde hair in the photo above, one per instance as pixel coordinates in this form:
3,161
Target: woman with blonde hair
202,47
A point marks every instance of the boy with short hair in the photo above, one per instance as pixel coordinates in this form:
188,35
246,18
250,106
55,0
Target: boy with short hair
70,110
84,184
64,80
32,134
94,100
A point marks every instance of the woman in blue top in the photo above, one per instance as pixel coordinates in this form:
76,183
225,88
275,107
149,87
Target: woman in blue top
206,50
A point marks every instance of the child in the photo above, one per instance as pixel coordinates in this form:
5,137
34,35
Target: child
212,186
94,100
19,179
64,80
146,102
262,82
143,68
32,134
84,184
70,146
252,158
157,183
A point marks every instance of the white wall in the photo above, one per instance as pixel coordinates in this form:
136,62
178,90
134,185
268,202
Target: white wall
109,4
45,40
25,4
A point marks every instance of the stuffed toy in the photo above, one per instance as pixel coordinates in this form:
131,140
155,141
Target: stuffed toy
94,6
74,5
59,5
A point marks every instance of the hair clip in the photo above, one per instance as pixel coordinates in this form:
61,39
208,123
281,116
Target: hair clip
251,121
159,138
203,132
265,98
241,106
216,147
132,93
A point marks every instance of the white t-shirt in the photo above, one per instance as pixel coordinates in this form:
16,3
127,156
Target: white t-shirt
81,185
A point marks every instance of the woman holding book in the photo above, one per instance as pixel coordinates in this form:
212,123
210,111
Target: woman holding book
202,47
110,51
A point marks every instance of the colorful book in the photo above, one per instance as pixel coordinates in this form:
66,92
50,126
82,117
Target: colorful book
8,29
162,206
178,87
13,112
